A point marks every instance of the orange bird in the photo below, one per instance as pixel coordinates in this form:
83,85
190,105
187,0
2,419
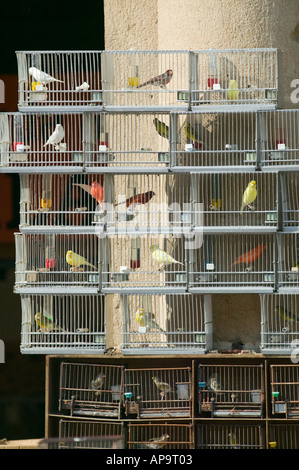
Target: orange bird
142,198
95,190
250,256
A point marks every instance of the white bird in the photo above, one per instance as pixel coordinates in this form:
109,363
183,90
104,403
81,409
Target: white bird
41,76
57,136
83,87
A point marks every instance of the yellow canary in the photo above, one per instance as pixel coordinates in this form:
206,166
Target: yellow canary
161,256
232,91
146,320
75,260
46,325
162,128
249,195
286,315
191,134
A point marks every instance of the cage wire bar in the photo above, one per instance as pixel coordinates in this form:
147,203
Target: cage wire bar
158,393
231,391
279,323
283,436
92,390
63,324
165,324
56,263
230,436
159,436
91,443
112,433
284,390
148,79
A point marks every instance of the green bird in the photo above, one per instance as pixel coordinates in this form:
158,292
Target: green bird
191,134
285,314
161,128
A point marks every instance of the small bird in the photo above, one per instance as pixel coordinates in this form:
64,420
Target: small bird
286,315
237,344
232,91
214,385
233,440
75,260
249,195
56,137
162,257
141,198
146,320
98,383
84,86
162,386
41,76
46,325
162,128
158,442
94,189
250,256
161,80
192,135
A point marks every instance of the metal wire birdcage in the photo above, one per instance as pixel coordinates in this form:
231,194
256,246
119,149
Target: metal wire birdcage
90,443
231,391
232,262
148,79
279,323
159,436
93,390
288,261
57,262
61,324
165,324
283,436
158,393
230,436
284,381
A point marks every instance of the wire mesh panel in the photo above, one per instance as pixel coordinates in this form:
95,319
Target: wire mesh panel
159,436
285,390
279,144
214,139
289,190
63,324
156,393
231,391
91,389
229,200
90,443
283,436
232,262
145,261
236,77
57,261
230,436
288,260
279,323
157,324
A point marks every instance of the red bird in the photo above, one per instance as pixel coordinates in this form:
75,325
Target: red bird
142,198
95,190
250,256
160,80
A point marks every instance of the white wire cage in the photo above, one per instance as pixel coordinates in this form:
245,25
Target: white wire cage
141,261
288,264
283,436
158,393
56,263
63,324
93,390
234,262
230,436
284,381
231,391
91,433
114,203
165,324
279,323
148,79
224,201
159,436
